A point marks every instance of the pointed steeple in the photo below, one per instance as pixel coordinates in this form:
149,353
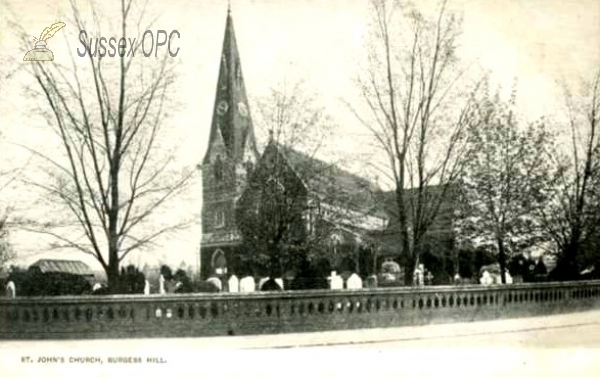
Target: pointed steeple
231,113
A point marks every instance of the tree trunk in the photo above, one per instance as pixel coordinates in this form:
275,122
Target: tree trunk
357,259
374,254
409,269
275,264
405,244
502,260
113,274
455,260
569,261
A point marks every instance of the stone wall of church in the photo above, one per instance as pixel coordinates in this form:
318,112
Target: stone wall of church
218,210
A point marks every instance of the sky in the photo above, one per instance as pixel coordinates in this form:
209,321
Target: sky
537,42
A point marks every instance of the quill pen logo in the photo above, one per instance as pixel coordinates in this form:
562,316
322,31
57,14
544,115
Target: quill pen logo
40,52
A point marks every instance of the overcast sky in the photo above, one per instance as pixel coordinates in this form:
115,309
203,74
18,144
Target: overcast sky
539,42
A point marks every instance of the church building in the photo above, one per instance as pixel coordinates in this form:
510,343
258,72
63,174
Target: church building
333,205
264,203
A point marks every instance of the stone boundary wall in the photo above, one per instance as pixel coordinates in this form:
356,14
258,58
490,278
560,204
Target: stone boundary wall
227,314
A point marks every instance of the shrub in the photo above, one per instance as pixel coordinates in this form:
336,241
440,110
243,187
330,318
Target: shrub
131,280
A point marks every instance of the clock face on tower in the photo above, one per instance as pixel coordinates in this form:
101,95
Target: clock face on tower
222,107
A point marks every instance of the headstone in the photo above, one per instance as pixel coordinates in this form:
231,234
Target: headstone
486,279
11,290
234,284
279,282
270,285
261,282
161,285
496,278
371,282
216,282
428,278
354,282
508,278
457,279
146,287
418,278
335,281
247,284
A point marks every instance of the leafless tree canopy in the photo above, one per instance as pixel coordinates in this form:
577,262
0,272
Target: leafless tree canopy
413,111
293,115
7,177
108,114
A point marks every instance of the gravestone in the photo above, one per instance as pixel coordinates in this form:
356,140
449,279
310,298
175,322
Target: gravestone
354,282
335,281
216,282
11,290
234,284
247,284
161,285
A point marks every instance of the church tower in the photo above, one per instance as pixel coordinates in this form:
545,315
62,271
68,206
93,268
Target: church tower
229,159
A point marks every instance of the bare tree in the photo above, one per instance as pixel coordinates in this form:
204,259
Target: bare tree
281,214
410,89
8,175
107,112
291,113
502,181
572,216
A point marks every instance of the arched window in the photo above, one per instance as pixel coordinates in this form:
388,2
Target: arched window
219,216
218,262
218,166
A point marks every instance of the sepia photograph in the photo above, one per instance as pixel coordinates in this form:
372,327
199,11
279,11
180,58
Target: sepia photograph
300,187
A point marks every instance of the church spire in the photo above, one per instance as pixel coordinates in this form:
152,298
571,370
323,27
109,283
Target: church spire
231,114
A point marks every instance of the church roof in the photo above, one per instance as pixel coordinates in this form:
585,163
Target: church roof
329,182
231,113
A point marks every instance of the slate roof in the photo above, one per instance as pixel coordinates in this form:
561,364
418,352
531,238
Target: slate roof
334,185
74,267
331,183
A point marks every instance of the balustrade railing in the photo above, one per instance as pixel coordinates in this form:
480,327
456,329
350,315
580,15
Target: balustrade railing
280,312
